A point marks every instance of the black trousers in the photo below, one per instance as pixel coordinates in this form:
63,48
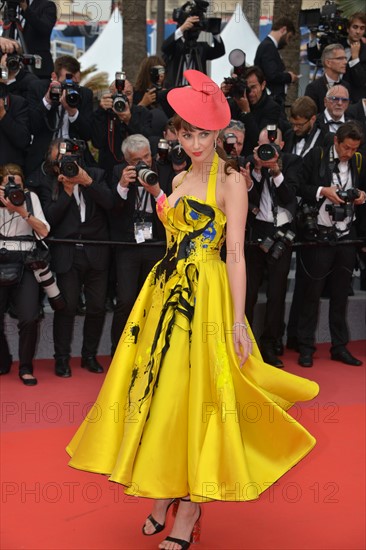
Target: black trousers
94,282
335,263
257,263
133,264
24,298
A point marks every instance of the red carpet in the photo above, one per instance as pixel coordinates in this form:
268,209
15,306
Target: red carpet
320,504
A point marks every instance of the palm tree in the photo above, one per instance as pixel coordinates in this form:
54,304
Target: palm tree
134,35
350,7
252,9
291,54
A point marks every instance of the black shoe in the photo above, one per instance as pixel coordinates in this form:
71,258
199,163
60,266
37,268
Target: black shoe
278,347
62,367
305,359
344,356
91,364
271,358
27,370
5,365
292,343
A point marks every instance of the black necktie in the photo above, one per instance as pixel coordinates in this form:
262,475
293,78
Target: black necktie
336,122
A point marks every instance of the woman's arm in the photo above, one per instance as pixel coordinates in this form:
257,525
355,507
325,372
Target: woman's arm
235,199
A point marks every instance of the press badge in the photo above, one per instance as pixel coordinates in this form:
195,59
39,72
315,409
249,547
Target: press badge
143,231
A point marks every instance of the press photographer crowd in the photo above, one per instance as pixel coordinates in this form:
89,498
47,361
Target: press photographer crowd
78,228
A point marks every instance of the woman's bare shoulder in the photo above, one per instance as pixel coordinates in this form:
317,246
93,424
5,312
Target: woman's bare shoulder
178,179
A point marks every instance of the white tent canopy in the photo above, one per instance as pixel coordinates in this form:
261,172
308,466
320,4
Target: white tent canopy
236,34
106,51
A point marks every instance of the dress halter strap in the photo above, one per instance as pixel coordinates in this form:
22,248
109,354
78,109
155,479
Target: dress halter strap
211,186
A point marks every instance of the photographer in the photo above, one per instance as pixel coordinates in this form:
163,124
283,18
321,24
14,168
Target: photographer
112,123
134,220
17,221
336,103
331,181
273,203
231,140
255,108
40,17
19,79
182,50
76,201
15,135
354,44
60,109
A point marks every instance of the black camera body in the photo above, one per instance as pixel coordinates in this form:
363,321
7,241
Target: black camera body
278,243
69,163
155,74
14,192
146,174
120,100
327,21
199,8
72,91
307,221
267,151
238,83
339,212
229,142
14,61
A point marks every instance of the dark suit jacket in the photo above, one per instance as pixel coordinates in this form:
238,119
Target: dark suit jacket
44,122
174,50
122,216
40,18
357,112
269,60
287,191
266,111
62,213
324,137
108,133
15,132
317,90
23,81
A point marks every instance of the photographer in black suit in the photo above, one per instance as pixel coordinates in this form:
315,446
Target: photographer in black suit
272,201
332,181
40,17
75,206
134,220
58,109
183,51
15,135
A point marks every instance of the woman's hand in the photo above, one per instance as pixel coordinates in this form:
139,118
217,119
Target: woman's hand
242,342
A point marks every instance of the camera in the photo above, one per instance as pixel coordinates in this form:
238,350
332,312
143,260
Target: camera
339,212
120,100
267,151
36,261
147,175
155,74
199,8
278,243
163,150
327,21
238,84
15,60
14,192
72,91
229,142
307,221
177,155
69,163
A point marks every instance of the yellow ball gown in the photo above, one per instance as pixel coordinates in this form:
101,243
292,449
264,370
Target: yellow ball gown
176,415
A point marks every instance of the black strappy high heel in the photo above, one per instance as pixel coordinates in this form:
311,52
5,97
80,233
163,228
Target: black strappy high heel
158,526
195,534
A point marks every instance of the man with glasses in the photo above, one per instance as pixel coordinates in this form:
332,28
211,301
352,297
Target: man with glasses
334,61
336,103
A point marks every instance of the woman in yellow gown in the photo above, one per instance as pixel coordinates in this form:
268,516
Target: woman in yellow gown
188,409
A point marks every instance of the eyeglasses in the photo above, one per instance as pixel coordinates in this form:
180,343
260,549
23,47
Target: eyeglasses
334,99
340,58
299,124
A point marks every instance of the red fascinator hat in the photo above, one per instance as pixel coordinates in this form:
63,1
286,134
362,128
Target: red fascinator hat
201,104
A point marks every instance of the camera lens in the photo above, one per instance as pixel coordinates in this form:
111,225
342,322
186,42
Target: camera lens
266,151
69,168
119,104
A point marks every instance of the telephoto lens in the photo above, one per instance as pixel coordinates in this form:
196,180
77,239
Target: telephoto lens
147,175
